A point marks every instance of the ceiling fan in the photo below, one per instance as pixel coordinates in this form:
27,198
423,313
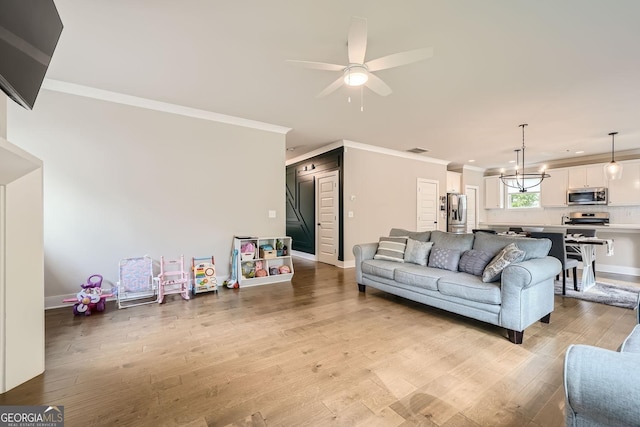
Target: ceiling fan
358,72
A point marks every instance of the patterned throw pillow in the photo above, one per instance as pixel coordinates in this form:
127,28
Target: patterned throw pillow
474,261
391,249
446,259
510,253
417,252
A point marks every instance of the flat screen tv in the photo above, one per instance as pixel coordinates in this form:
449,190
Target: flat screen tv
29,33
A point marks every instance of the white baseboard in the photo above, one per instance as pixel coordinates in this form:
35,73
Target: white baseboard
607,268
304,255
312,257
56,301
348,264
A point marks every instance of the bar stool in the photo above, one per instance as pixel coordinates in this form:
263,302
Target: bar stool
559,251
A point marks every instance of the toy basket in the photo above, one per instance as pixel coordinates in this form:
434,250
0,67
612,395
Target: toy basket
247,251
247,256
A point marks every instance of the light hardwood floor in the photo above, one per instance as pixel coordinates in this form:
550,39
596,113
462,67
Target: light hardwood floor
311,352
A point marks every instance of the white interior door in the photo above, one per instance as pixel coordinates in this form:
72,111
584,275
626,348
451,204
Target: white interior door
427,202
327,218
472,192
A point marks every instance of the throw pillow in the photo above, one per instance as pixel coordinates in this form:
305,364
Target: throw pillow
510,253
417,252
391,249
474,261
446,259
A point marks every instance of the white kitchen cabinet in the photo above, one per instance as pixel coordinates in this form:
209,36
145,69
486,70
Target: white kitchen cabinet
453,182
553,190
626,191
587,176
493,193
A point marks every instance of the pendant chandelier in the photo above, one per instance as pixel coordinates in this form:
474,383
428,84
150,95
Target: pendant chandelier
613,170
520,179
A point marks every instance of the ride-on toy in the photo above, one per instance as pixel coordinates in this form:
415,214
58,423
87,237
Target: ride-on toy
90,297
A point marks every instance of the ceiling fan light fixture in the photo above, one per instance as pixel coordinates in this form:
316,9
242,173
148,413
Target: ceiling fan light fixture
356,75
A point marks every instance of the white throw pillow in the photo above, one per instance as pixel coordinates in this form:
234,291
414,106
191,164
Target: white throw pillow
417,252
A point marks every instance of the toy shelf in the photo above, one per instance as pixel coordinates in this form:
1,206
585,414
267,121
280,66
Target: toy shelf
273,262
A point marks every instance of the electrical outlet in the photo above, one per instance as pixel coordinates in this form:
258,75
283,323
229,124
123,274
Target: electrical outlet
272,214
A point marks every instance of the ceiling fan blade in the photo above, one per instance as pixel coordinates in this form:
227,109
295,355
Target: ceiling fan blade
331,88
357,40
316,65
398,59
376,84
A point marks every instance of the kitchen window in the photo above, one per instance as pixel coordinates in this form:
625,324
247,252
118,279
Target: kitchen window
529,199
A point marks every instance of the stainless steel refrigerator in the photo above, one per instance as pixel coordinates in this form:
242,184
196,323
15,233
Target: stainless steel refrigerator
456,213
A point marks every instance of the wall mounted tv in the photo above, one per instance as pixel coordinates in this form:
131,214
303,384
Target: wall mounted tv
29,33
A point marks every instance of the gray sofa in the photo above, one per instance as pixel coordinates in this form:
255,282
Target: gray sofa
602,387
522,295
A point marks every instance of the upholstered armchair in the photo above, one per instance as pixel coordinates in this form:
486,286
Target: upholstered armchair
602,387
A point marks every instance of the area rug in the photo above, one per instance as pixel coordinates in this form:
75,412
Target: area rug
603,293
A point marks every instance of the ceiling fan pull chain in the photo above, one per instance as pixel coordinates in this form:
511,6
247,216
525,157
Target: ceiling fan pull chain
361,98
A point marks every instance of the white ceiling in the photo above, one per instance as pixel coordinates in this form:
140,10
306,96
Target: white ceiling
570,69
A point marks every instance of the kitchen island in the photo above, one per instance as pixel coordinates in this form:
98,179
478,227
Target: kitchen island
626,237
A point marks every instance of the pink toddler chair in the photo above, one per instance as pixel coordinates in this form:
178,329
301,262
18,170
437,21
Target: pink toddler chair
173,279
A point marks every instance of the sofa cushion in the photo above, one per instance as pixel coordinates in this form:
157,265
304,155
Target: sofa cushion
444,258
474,261
461,242
470,287
391,249
421,236
378,267
492,243
420,277
417,252
510,254
632,343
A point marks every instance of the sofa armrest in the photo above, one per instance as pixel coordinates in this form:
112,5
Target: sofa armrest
602,387
363,252
528,273
527,292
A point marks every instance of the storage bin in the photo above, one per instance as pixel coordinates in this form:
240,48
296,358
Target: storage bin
267,253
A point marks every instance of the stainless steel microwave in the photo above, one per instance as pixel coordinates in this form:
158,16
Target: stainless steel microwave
587,196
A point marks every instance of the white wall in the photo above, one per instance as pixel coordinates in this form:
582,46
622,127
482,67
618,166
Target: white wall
24,289
475,177
384,187
122,181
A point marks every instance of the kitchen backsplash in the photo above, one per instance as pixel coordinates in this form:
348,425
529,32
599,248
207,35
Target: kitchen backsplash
553,216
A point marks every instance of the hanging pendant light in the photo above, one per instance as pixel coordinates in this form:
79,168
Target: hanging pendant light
521,180
613,170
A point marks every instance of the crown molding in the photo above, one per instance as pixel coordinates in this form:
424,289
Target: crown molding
365,147
150,104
